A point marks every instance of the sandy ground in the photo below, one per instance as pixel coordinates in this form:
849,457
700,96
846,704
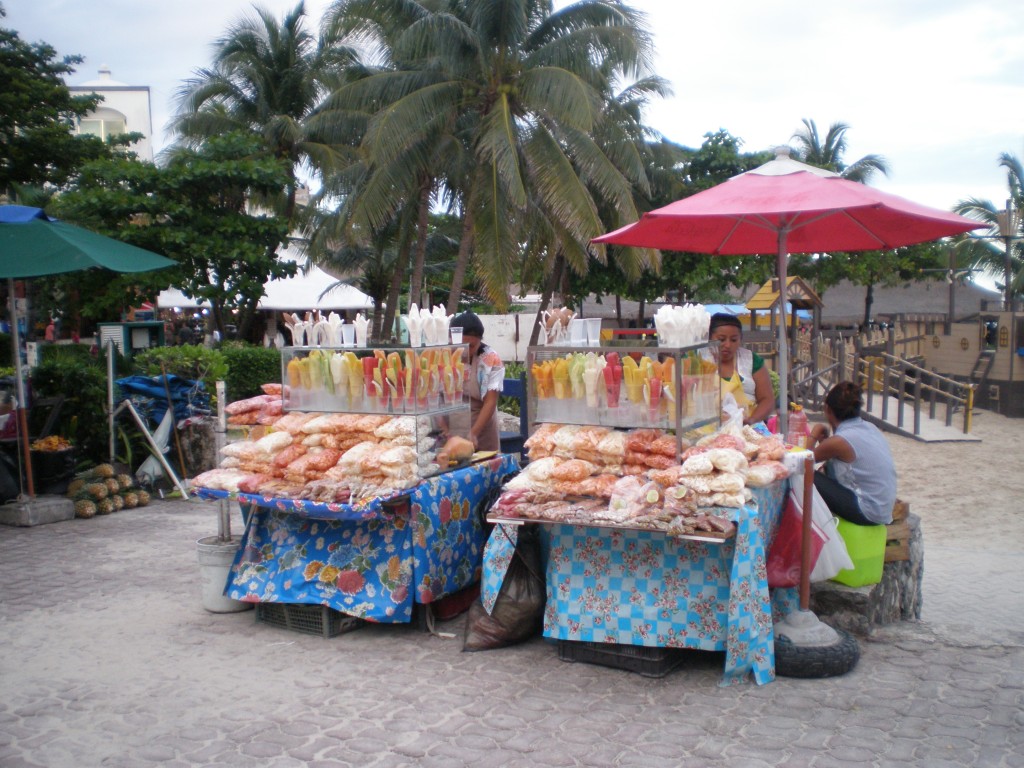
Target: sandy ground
970,498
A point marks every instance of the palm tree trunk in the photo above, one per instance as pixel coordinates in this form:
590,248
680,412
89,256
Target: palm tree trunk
422,220
461,263
618,310
391,311
869,299
549,289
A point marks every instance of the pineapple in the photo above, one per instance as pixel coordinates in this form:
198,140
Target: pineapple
104,507
117,501
97,491
143,497
76,486
113,486
103,470
131,499
125,481
85,508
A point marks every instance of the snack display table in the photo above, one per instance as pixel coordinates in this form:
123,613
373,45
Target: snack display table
645,588
371,560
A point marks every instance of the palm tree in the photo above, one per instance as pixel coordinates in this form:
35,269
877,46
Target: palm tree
519,88
270,79
828,153
1006,227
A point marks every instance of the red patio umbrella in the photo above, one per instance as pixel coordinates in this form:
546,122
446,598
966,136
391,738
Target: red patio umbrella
784,207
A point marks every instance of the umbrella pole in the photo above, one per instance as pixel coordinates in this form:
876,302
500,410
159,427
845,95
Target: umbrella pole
805,541
19,389
781,270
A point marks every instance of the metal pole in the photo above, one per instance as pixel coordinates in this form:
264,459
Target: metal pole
1007,260
224,516
19,391
805,541
110,396
781,268
952,291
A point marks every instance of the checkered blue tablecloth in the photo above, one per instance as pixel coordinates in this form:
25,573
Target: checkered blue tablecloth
371,560
645,588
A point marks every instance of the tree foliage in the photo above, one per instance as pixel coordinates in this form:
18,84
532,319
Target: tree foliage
193,211
994,254
36,111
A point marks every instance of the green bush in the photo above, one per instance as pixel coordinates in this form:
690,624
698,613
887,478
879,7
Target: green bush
71,352
83,418
249,366
513,370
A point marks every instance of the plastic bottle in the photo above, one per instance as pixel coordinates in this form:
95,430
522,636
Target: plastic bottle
797,425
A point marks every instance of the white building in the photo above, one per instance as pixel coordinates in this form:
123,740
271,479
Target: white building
124,109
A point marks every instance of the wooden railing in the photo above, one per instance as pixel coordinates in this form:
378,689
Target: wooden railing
911,384
822,363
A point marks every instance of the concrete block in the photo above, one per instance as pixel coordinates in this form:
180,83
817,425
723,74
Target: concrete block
897,597
37,511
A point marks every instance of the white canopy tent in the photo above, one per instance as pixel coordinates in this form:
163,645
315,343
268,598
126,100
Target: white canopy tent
306,290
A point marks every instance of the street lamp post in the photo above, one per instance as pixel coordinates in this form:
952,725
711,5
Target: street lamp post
1007,230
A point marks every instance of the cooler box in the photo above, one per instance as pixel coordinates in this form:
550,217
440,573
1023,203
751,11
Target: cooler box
866,545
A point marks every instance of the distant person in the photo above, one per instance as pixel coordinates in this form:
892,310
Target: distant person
51,331
859,478
184,335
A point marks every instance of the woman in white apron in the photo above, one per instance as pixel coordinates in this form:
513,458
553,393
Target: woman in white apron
742,372
485,374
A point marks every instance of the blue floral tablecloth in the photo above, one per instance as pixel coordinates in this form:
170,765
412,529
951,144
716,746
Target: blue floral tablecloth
372,560
646,588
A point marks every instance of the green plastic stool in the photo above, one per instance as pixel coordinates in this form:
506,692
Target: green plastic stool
866,545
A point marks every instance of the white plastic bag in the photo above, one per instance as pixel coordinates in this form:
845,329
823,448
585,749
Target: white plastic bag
834,557
151,470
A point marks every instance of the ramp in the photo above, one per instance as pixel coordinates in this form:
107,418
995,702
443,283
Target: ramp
932,430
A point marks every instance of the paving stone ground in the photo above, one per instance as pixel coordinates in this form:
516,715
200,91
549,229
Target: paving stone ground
109,659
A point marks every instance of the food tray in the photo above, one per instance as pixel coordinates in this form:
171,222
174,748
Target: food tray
649,662
308,619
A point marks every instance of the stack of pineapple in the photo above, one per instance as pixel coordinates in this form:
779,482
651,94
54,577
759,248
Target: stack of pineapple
101,491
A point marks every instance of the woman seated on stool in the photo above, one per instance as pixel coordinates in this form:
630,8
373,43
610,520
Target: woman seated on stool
859,478
742,372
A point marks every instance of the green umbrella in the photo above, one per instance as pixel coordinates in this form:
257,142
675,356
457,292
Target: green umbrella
32,245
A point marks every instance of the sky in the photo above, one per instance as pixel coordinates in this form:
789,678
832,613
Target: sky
936,87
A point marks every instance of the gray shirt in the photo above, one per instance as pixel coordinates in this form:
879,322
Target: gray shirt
872,474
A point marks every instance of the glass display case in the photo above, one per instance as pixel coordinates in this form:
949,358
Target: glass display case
625,386
384,380
419,389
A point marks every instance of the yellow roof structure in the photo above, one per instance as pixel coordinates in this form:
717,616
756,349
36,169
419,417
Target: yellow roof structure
801,296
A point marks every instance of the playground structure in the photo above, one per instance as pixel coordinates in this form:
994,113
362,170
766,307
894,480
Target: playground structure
920,369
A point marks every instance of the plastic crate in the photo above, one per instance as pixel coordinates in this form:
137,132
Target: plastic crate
308,619
649,662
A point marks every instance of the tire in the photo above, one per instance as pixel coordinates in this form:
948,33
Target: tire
816,661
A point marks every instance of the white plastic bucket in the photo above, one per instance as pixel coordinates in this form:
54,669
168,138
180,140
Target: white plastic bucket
215,559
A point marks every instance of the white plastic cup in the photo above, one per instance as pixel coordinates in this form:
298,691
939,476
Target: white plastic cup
348,334
577,332
594,331
456,335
